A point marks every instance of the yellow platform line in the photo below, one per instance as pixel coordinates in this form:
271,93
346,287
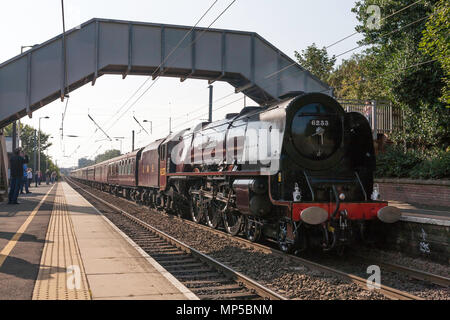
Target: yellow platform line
12,243
61,272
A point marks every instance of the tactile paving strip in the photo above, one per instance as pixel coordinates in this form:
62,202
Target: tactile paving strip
61,272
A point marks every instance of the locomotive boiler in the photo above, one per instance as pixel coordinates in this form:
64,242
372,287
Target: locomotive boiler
299,171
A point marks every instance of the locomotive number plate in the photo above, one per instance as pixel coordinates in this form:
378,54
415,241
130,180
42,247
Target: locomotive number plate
321,123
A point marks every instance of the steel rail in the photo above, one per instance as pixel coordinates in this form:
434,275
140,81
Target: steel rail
413,273
251,284
389,292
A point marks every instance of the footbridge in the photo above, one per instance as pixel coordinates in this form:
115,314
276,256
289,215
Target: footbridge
60,65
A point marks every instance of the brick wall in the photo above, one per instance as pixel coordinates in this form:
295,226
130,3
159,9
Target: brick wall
435,193
427,241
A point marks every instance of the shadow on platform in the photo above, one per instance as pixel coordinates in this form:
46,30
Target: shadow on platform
21,268
25,237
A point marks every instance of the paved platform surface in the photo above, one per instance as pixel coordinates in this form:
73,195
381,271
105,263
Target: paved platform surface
22,238
423,214
55,245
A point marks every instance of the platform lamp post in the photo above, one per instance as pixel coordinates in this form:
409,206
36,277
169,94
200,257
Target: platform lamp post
46,159
120,139
151,125
39,142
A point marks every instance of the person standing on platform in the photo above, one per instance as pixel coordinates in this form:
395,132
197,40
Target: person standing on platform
53,177
368,111
47,177
30,177
36,177
16,165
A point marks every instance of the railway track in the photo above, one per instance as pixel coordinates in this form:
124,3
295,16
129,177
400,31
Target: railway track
204,276
413,273
387,291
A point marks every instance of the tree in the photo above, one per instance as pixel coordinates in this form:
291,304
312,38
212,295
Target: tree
355,78
407,76
29,145
436,42
316,61
84,162
107,155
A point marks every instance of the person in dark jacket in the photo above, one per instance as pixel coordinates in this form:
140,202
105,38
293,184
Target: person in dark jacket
16,165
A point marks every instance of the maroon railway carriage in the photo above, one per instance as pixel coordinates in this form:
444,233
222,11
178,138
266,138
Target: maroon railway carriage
149,166
101,173
123,174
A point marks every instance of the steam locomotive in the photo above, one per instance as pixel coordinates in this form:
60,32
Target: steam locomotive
299,171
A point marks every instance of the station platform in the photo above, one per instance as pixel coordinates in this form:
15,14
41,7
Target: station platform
56,246
423,214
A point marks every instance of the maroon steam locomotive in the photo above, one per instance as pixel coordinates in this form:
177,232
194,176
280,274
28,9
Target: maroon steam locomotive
299,171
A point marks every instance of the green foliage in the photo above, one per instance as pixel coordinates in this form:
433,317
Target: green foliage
434,168
402,52
408,79
397,163
29,146
84,162
316,61
424,129
356,78
107,155
436,42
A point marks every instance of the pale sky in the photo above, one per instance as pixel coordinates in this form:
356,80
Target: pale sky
288,24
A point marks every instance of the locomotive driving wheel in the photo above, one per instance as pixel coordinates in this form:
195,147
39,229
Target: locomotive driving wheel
196,208
232,221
